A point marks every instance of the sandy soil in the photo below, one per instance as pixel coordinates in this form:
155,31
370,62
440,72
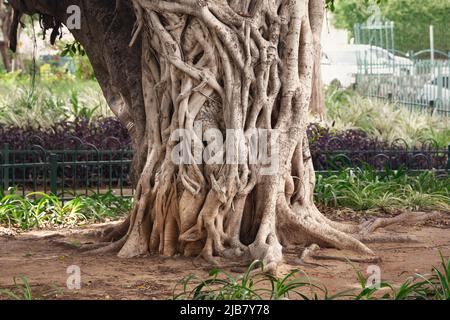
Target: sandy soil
44,256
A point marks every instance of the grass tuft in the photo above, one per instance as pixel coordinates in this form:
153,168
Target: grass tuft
255,284
389,191
37,209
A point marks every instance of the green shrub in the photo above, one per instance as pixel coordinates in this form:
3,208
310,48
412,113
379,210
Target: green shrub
23,291
367,189
49,102
382,120
38,209
254,284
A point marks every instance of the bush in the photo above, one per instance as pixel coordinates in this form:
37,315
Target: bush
412,20
390,191
37,209
383,121
49,101
61,134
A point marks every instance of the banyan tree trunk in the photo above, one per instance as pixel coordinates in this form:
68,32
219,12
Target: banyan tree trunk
229,66
197,73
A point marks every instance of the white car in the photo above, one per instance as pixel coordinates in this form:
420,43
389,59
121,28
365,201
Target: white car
436,92
343,63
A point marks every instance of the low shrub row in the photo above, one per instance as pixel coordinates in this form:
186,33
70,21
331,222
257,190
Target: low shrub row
368,190
330,149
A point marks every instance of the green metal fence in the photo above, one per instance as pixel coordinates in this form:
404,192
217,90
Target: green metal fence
417,80
66,173
84,169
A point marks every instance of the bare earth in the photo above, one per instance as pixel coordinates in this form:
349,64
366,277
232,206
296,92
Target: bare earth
44,256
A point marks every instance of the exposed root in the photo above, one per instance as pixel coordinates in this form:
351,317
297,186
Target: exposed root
386,238
112,247
322,231
227,67
362,259
405,218
93,246
307,253
116,232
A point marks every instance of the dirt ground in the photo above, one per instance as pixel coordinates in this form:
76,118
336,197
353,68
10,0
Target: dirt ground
43,257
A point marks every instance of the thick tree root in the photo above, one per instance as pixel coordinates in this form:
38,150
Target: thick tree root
386,238
369,259
104,249
404,218
115,233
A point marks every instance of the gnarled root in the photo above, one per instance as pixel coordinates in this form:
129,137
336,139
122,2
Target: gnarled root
404,218
208,68
116,232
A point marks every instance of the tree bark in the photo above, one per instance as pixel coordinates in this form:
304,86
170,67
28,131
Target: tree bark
5,23
244,65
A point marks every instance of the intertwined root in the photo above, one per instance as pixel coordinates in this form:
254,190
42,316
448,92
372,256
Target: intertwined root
230,65
210,237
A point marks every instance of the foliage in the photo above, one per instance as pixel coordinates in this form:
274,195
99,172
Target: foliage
367,189
50,102
71,49
363,121
252,285
38,209
435,286
75,50
57,136
385,122
411,18
257,285
23,291
20,291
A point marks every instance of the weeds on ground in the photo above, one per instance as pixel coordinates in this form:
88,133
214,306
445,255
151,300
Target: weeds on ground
23,291
255,284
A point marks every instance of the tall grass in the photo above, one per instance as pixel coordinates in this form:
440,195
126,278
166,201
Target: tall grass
385,121
367,189
37,210
53,100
